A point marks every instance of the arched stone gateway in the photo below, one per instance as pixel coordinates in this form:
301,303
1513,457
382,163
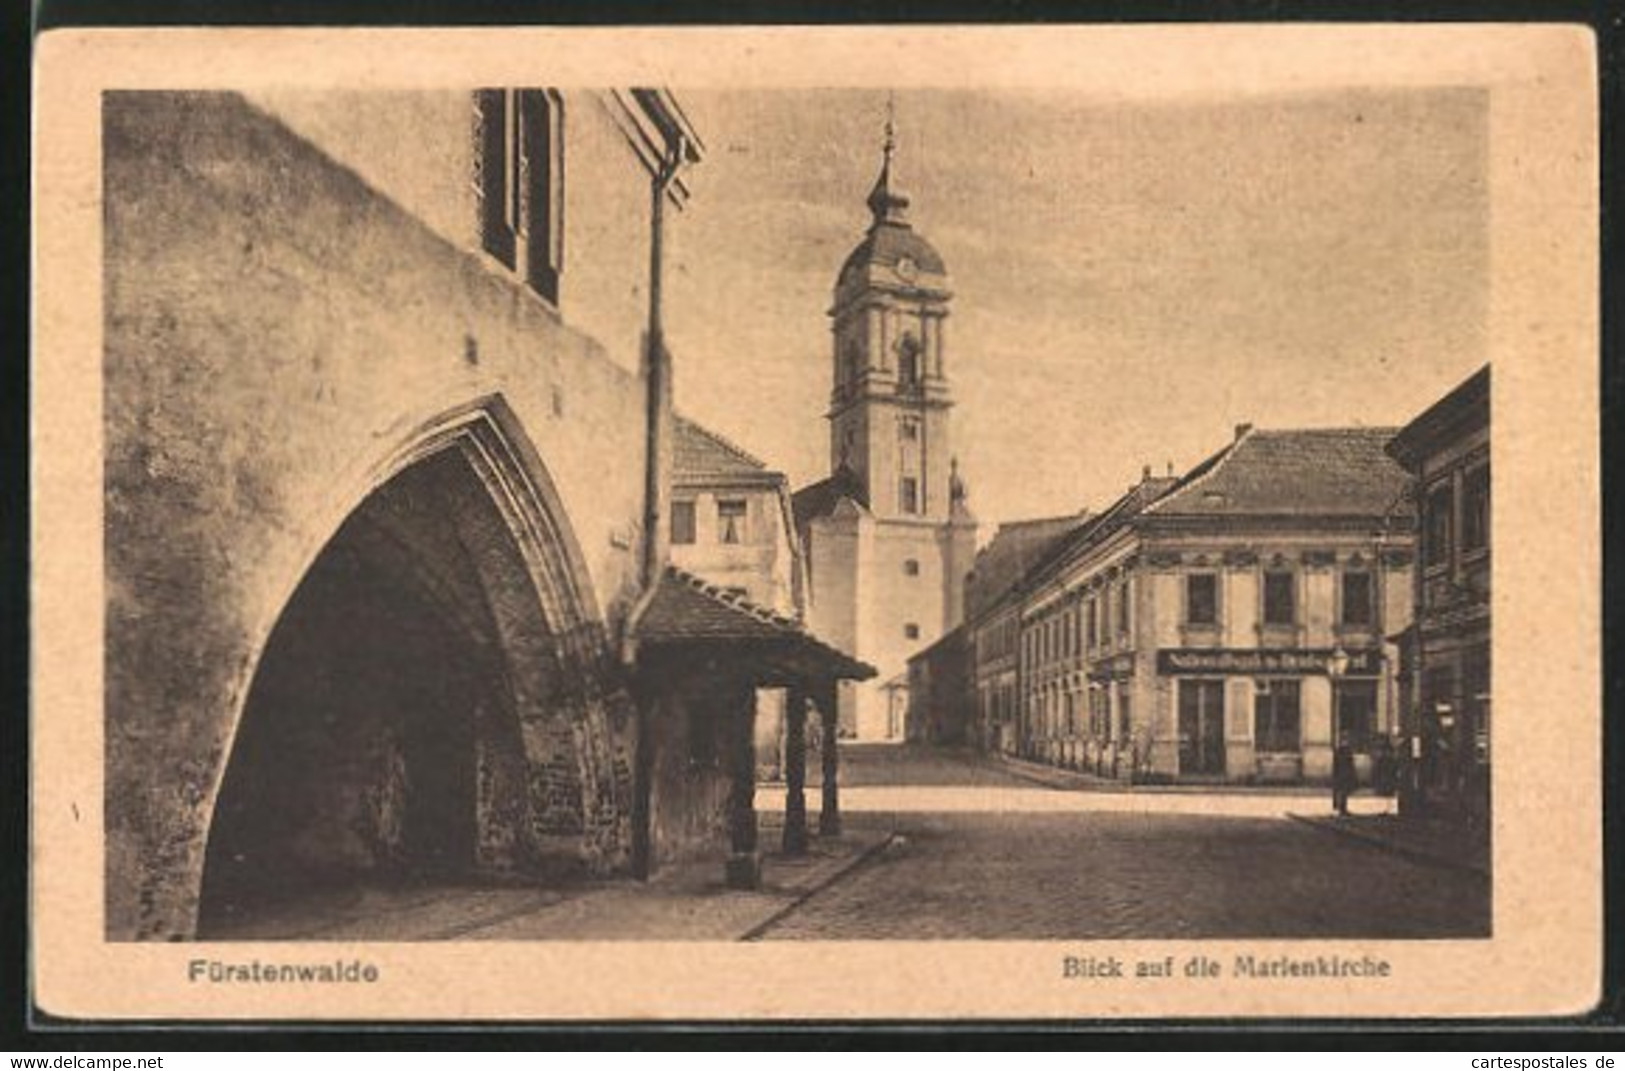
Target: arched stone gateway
436,700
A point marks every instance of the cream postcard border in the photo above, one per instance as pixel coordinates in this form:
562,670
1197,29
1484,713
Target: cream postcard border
1545,956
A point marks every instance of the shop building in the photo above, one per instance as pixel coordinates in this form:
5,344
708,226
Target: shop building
1447,452
993,624
1227,626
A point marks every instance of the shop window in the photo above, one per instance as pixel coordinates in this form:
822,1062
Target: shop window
1355,703
1436,525
1276,716
1357,600
1280,598
1201,599
682,522
731,521
518,182
1475,510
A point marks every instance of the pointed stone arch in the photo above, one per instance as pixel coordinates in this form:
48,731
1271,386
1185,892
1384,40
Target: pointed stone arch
437,693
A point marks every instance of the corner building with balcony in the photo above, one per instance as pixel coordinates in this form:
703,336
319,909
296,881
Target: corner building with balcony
1229,625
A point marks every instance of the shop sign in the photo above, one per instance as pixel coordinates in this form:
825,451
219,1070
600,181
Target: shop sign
1251,661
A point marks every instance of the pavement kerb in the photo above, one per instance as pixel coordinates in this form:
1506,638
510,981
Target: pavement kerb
1414,854
1072,780
819,884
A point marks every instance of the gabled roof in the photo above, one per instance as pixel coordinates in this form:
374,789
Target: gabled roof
1014,548
1339,472
686,609
702,456
1128,506
820,499
1464,409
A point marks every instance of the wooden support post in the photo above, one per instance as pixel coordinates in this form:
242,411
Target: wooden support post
744,862
829,820
795,772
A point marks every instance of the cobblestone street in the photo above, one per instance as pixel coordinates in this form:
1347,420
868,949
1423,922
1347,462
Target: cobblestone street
982,854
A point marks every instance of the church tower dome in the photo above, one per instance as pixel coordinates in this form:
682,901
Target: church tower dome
892,253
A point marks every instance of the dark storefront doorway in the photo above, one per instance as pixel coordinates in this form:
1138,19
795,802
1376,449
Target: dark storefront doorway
1201,728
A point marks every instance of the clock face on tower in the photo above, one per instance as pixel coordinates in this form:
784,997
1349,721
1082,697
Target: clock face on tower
906,269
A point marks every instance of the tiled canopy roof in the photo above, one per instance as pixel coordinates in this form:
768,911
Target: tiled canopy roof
688,610
1312,472
699,454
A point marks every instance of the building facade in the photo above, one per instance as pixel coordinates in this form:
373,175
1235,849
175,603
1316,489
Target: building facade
941,699
1227,626
387,449
993,624
1447,452
889,535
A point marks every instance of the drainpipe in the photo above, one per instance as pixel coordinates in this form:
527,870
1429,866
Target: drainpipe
657,444
656,490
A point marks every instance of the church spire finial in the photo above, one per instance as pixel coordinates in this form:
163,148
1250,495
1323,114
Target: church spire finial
889,204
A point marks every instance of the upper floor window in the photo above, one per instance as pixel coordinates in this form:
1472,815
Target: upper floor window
911,567
731,520
1201,599
1475,509
1436,525
682,522
908,495
1358,610
909,431
908,361
1091,629
519,182
1280,598
911,631
1122,610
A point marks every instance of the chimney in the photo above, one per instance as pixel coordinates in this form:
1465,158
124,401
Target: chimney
1145,472
1243,429
1170,468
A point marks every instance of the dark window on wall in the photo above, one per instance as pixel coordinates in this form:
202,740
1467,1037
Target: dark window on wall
1280,598
731,521
908,495
682,522
1475,510
1276,716
911,631
1201,599
1092,628
1122,610
1437,525
1358,610
1355,703
911,567
519,182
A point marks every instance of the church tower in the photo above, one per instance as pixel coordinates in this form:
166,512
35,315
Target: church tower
889,406
889,536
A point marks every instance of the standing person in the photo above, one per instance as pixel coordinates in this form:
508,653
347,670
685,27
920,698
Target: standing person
1342,775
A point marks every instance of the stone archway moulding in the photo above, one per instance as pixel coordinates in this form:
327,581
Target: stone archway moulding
493,442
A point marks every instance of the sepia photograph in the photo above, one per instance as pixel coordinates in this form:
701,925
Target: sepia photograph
556,506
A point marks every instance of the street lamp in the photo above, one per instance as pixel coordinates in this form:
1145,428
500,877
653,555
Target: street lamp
1337,663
